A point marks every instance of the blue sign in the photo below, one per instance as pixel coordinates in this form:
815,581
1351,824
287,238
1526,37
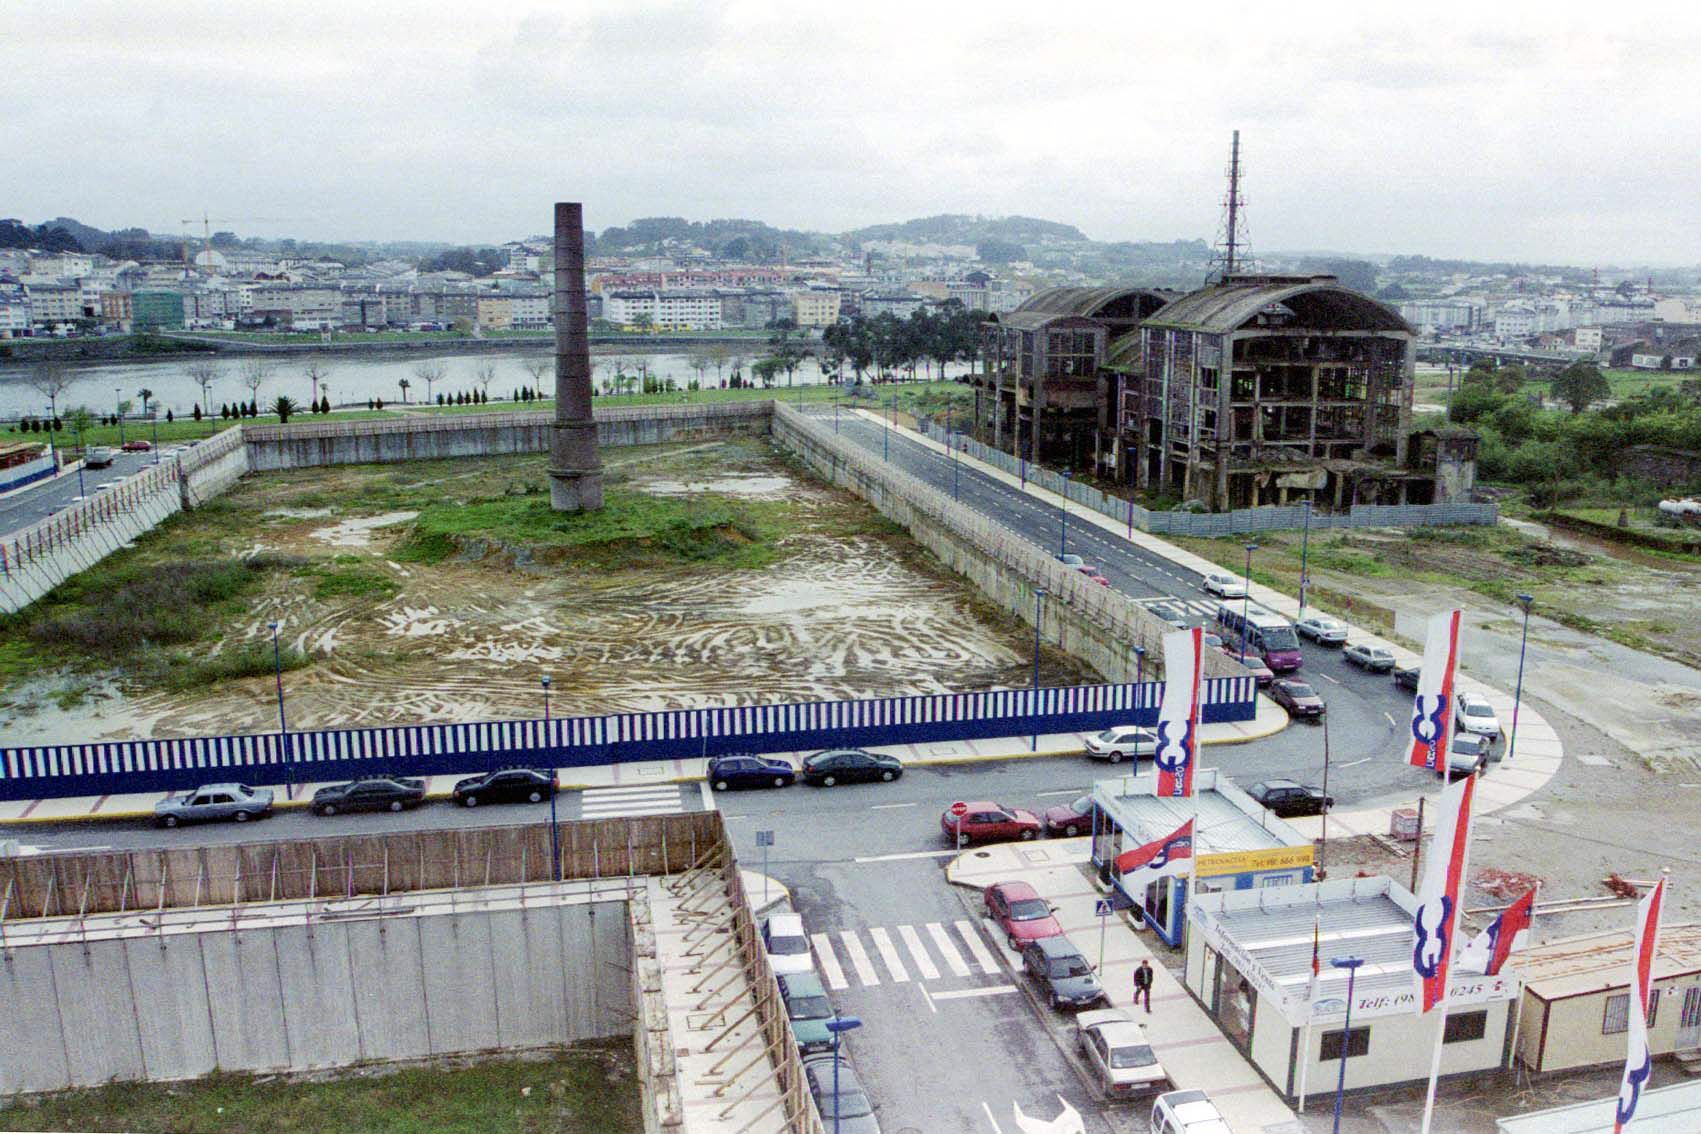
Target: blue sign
1103,907
764,838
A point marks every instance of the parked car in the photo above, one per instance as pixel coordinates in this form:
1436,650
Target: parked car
1096,576
1253,663
1210,641
1070,559
1115,1047
1062,972
1125,742
211,802
731,773
1186,1112
1169,614
1322,629
376,793
1406,676
506,785
1070,819
1372,659
848,766
846,1110
808,1009
1475,715
1285,798
1298,698
98,458
1020,912
987,822
1223,585
1467,754
136,446
787,944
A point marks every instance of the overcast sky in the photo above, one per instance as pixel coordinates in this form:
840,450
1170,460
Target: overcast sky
1543,131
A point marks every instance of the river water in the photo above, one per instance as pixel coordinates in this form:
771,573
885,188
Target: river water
353,378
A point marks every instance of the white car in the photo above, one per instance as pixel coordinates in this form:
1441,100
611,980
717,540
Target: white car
1224,585
1115,1047
788,947
1072,560
1122,742
1321,628
1187,1112
1474,714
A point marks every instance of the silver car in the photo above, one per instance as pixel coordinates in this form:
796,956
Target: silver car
211,802
1322,629
1116,1049
1123,742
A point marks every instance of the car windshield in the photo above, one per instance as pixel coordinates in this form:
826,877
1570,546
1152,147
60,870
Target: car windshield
1108,736
810,1008
1029,909
1083,805
1069,966
1379,655
1139,1055
1473,710
1299,690
1279,638
787,946
851,1104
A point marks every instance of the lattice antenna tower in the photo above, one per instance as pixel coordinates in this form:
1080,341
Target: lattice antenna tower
1233,247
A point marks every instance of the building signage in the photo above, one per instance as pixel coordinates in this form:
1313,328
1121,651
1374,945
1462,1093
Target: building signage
1462,992
1243,862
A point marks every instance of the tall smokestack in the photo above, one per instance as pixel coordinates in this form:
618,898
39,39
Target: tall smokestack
575,470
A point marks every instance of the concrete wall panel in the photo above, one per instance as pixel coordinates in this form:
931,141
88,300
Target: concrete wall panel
248,1031
32,1038
389,993
527,947
460,993
319,1012
171,1007
97,1014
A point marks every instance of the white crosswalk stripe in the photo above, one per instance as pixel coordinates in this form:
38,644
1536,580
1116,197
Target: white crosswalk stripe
977,946
942,941
641,799
923,963
859,958
828,961
889,954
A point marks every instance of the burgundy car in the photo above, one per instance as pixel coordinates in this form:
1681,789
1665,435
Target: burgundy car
986,822
137,446
1253,663
1298,698
1020,912
1070,819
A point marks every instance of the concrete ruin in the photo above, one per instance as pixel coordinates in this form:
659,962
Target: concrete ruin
575,469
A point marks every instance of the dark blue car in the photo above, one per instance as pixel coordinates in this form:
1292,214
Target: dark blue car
729,773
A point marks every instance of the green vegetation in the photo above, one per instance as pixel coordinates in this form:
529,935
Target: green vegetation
923,397
586,1090
349,582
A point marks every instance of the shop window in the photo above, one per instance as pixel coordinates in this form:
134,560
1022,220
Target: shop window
1616,1017
1357,1043
1463,1027
1653,1005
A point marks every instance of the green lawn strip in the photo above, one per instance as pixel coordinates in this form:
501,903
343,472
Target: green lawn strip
582,1091
183,429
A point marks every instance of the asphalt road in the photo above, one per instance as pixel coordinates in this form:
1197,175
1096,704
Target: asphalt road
42,500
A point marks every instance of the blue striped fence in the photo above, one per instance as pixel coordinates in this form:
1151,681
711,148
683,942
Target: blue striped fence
52,771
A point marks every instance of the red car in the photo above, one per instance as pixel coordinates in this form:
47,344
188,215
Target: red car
1095,576
137,446
1021,912
987,822
1253,663
1067,820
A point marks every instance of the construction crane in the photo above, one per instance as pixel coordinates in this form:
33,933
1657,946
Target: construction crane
207,232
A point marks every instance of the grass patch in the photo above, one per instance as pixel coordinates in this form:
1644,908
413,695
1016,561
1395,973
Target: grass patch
184,670
350,582
137,605
587,1090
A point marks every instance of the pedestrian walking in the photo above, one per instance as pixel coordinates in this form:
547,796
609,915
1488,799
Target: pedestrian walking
1143,985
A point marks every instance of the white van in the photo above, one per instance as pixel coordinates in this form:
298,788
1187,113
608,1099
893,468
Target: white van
1187,1112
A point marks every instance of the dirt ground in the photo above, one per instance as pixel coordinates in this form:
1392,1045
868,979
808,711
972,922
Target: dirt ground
848,607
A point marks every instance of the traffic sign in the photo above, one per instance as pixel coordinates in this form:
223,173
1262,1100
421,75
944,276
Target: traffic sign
764,838
959,808
1103,907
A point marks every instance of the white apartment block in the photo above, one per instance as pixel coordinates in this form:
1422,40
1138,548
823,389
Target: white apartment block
816,307
14,316
55,303
530,311
669,310
1588,338
1516,320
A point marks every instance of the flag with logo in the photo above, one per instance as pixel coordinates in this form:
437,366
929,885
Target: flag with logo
1172,854
1178,713
1437,918
1639,1064
1316,957
1487,952
1432,708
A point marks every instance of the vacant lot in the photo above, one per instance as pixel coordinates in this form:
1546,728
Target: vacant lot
589,1089
719,573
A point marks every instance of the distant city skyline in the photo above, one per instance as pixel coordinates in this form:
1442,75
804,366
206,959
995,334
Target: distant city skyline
1512,132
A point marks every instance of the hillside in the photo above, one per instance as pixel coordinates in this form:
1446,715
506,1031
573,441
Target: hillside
958,228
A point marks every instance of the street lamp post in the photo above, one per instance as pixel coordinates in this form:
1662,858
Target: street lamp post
956,466
118,411
839,1025
81,491
1246,603
1525,601
1063,538
886,432
1139,664
554,826
1304,549
155,422
1039,604
1350,964
283,725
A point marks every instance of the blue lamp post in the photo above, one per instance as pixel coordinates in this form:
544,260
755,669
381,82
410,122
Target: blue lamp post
886,433
839,1025
1039,605
956,468
1063,538
1350,964
283,726
118,408
81,491
1525,601
1304,548
1139,664
554,827
1246,604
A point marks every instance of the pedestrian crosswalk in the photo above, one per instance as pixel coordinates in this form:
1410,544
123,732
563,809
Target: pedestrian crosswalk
1204,608
640,799
929,951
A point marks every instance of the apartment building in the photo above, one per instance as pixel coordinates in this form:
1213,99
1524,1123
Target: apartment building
529,312
495,312
55,303
14,315
816,307
680,310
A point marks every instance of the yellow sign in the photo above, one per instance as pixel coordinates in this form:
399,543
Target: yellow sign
1240,862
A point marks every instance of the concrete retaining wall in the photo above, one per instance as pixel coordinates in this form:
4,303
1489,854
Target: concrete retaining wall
303,996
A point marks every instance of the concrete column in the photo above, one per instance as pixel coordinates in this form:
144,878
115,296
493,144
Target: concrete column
575,469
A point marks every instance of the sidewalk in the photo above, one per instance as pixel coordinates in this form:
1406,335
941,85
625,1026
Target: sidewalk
1539,750
1271,719
1188,1043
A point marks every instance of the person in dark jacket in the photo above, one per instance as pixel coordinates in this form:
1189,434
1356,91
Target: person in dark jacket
1143,985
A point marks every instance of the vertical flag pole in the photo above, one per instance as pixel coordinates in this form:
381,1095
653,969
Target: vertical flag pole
1311,1003
1518,1020
1452,936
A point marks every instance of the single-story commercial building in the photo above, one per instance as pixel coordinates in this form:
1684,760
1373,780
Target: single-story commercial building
1577,998
1669,1110
1239,845
1249,965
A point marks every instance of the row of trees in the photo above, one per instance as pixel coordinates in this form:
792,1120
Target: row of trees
949,333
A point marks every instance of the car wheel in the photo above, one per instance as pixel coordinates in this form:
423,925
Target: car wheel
829,781
1114,757
888,776
469,801
328,809
1015,946
1054,1003
1071,831
535,797
240,817
168,821
721,785
1027,834
781,781
395,805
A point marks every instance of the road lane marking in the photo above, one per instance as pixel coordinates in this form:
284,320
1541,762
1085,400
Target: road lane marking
1390,717
909,854
942,942
923,963
996,1129
828,962
931,1007
1356,763
889,954
859,958
966,993
708,796
977,946
890,806
1065,791
1326,677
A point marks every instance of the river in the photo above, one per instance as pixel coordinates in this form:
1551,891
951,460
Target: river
352,378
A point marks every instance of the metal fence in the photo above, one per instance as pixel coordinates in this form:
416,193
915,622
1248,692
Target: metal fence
48,771
1242,520
511,419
